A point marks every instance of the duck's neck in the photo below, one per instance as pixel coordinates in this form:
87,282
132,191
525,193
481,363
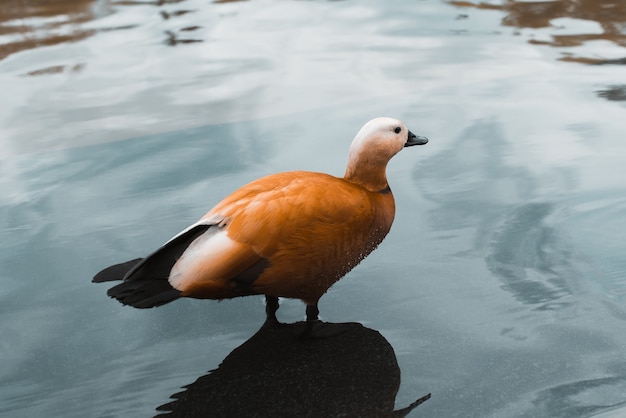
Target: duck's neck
370,175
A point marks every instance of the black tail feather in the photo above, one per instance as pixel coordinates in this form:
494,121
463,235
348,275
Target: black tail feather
144,293
141,292
116,272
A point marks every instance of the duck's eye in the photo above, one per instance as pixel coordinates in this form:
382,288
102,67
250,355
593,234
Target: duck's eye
397,130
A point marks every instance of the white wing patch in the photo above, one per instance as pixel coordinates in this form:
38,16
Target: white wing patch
203,255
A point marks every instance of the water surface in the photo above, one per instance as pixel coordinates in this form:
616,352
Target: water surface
502,285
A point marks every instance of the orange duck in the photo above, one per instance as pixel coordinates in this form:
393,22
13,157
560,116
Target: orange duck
288,235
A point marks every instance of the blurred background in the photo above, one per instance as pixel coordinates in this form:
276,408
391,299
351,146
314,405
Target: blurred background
501,286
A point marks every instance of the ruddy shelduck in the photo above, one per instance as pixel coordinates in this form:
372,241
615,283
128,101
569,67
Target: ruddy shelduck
290,234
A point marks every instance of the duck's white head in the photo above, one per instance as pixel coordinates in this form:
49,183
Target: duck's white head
374,145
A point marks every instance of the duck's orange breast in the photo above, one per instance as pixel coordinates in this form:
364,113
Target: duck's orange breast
307,229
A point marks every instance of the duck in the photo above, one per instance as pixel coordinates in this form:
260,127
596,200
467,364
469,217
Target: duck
286,235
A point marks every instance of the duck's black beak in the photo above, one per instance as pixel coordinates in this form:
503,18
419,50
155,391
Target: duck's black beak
413,139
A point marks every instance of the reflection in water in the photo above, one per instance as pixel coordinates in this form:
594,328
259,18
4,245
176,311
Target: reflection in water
173,39
613,93
354,373
525,245
518,244
476,161
56,69
147,2
566,400
609,14
594,61
37,23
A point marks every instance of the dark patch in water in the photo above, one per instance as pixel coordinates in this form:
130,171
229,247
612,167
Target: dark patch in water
613,93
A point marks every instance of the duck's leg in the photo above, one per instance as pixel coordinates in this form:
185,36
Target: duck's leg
312,323
314,328
271,306
312,313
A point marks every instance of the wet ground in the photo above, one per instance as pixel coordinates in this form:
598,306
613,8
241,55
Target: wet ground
502,285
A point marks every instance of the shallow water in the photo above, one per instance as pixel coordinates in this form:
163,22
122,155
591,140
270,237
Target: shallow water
502,285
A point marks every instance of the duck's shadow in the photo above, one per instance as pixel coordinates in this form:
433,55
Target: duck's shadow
275,373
